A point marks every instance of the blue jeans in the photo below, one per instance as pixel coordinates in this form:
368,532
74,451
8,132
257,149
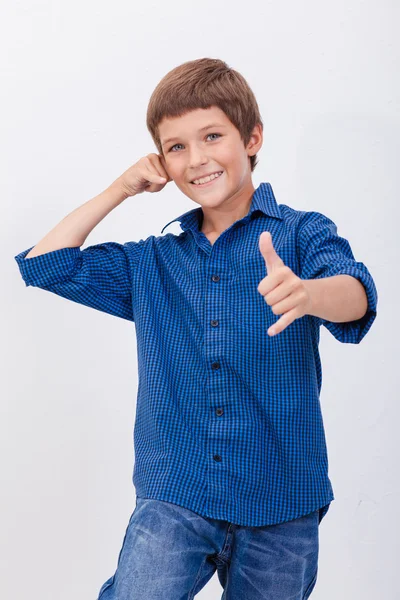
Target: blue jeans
170,553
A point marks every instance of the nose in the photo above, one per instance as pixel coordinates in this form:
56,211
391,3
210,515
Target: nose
197,158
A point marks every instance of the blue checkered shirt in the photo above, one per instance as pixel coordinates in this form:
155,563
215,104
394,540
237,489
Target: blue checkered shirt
228,419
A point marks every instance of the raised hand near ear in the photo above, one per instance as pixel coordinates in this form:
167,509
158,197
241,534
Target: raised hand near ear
282,289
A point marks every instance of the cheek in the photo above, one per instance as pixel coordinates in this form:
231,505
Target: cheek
173,169
174,162
227,156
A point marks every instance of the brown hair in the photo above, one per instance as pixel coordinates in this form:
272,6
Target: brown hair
203,83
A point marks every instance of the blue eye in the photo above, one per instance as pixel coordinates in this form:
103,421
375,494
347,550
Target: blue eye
170,150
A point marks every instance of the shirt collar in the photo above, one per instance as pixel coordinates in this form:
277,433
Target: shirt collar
263,200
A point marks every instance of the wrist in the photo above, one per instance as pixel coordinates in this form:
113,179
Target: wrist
119,189
310,309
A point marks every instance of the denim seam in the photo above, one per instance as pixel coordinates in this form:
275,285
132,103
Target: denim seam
228,540
191,595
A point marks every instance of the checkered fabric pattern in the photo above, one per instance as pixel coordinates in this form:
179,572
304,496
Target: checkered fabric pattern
228,419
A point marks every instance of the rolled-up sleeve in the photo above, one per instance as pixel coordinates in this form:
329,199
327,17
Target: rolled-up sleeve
99,276
324,253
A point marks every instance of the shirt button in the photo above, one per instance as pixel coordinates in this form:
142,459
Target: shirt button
215,277
219,411
214,323
215,365
217,457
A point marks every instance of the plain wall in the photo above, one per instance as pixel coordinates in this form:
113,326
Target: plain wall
76,80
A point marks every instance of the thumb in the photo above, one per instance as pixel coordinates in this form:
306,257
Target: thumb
272,260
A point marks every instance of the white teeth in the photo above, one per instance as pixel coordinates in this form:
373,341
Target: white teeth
206,179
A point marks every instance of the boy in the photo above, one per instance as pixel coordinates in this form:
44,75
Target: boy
231,469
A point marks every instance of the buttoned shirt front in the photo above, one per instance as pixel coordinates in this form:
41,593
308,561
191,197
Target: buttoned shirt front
228,419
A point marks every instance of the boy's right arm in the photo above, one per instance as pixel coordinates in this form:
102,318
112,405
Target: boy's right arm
75,227
98,276
145,175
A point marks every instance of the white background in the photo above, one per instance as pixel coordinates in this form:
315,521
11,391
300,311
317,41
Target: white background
75,82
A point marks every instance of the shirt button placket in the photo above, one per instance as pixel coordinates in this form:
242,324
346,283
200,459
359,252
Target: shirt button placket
215,323
216,365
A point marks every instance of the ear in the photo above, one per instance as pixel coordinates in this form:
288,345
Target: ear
256,140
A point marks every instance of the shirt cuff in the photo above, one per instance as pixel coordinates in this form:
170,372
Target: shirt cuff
49,268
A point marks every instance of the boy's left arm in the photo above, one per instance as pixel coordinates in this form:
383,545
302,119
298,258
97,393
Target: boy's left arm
339,299
342,292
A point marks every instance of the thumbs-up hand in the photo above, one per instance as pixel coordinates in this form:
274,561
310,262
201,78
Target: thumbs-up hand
282,289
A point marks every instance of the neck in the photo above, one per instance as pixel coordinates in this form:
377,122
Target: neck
217,220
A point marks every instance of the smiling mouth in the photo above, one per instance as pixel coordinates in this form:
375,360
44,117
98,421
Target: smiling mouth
200,185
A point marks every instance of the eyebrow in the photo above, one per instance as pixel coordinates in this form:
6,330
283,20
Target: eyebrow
172,139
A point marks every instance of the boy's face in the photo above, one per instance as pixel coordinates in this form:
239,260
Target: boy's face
197,151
